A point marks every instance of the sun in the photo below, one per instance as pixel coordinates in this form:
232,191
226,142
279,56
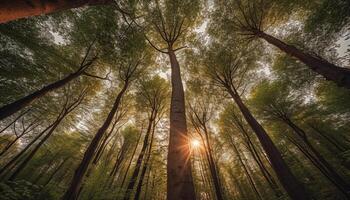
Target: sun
195,143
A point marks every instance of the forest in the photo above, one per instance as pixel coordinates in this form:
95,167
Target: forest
174,99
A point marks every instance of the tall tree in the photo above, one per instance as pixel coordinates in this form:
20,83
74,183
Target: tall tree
169,21
276,101
200,116
128,70
154,94
226,70
252,18
16,106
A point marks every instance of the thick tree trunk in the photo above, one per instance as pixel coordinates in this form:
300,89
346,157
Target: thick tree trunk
73,189
180,183
339,75
16,106
294,189
17,9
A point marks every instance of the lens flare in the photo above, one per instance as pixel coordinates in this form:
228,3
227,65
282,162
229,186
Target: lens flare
195,143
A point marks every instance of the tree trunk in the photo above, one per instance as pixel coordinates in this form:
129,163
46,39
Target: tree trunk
180,183
17,9
119,160
250,179
320,161
138,165
16,106
338,145
59,167
212,166
9,145
32,153
14,159
104,144
43,170
145,165
295,190
339,75
256,156
130,161
73,189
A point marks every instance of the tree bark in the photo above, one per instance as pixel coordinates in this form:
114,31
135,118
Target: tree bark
339,75
18,156
17,9
212,166
250,179
325,167
130,161
294,189
180,183
16,106
32,153
145,166
256,156
74,186
59,167
138,165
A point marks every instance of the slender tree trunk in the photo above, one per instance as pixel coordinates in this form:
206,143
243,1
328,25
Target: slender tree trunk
59,167
145,165
331,173
16,106
130,161
339,75
212,167
338,145
295,190
148,180
180,183
44,169
119,161
74,186
17,9
14,159
251,182
15,120
206,177
9,145
32,153
241,193
256,156
138,165
104,144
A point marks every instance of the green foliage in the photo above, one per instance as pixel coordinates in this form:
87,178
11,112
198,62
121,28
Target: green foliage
22,190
